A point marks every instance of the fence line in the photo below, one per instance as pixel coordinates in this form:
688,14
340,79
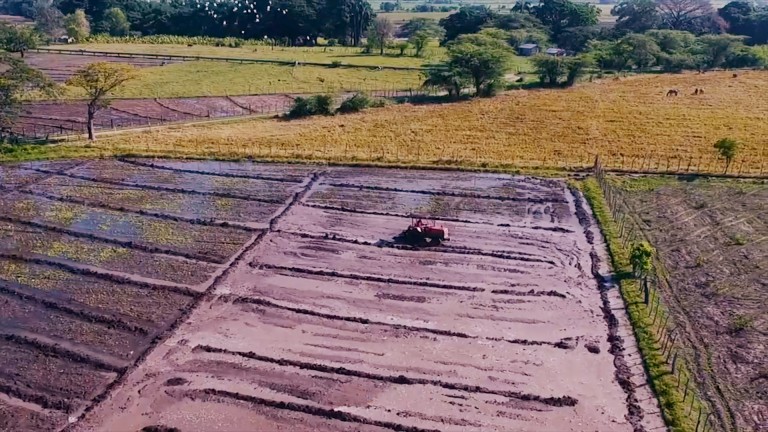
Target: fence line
669,342
179,57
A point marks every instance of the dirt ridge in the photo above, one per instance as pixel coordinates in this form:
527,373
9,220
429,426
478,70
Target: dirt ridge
38,398
440,249
18,291
123,209
130,244
60,351
623,372
58,264
210,173
309,409
559,401
161,188
447,193
369,278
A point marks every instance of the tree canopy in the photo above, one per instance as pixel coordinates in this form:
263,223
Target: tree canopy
99,80
560,15
16,78
469,19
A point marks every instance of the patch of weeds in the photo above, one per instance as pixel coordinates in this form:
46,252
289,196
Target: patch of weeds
163,233
701,205
78,251
739,239
700,261
739,323
64,214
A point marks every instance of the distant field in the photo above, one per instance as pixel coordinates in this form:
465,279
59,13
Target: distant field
345,55
209,78
403,16
628,122
12,19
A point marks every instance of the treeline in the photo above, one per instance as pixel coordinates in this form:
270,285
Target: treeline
297,22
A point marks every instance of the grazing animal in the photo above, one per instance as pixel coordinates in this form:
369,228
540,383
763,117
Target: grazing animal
701,91
321,79
673,92
735,75
696,92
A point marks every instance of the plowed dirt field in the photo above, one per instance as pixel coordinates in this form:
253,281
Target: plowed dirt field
208,296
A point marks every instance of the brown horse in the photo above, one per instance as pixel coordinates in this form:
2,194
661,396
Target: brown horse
673,92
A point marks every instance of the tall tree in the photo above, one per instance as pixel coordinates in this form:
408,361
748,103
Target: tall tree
380,34
427,25
16,78
115,22
18,39
469,19
481,59
715,49
636,16
49,20
560,15
77,25
695,16
99,80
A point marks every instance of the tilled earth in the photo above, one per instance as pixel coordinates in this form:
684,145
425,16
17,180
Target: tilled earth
208,296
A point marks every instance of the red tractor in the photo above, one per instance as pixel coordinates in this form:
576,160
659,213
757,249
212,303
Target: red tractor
424,232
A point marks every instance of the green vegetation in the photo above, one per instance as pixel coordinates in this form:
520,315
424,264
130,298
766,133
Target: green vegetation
355,104
16,79
77,25
18,39
310,106
727,148
663,382
325,55
202,78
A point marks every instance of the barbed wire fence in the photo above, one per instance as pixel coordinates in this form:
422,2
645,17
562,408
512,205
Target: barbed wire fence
669,342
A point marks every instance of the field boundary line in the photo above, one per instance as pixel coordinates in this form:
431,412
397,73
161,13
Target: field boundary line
183,58
554,401
161,188
210,173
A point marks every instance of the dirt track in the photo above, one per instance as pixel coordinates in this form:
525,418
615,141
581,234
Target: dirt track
319,321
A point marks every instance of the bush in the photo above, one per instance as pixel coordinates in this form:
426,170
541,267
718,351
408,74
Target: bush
336,63
313,105
355,104
332,42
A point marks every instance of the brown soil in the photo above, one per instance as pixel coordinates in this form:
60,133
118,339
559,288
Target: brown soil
711,239
273,297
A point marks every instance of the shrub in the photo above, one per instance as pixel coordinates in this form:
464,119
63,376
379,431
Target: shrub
332,42
336,63
313,105
355,104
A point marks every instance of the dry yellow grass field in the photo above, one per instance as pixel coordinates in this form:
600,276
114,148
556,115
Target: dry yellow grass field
628,122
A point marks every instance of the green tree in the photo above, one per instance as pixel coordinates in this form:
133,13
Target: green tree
99,80
482,60
727,148
18,39
636,16
672,41
469,19
715,49
518,21
642,50
559,15
115,22
16,78
575,67
641,259
49,21
420,40
550,69
523,36
426,25
444,78
77,26
695,16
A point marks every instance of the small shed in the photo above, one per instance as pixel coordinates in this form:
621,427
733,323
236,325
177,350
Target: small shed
556,52
528,49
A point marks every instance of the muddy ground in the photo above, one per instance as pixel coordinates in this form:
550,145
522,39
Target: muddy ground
711,237
229,296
